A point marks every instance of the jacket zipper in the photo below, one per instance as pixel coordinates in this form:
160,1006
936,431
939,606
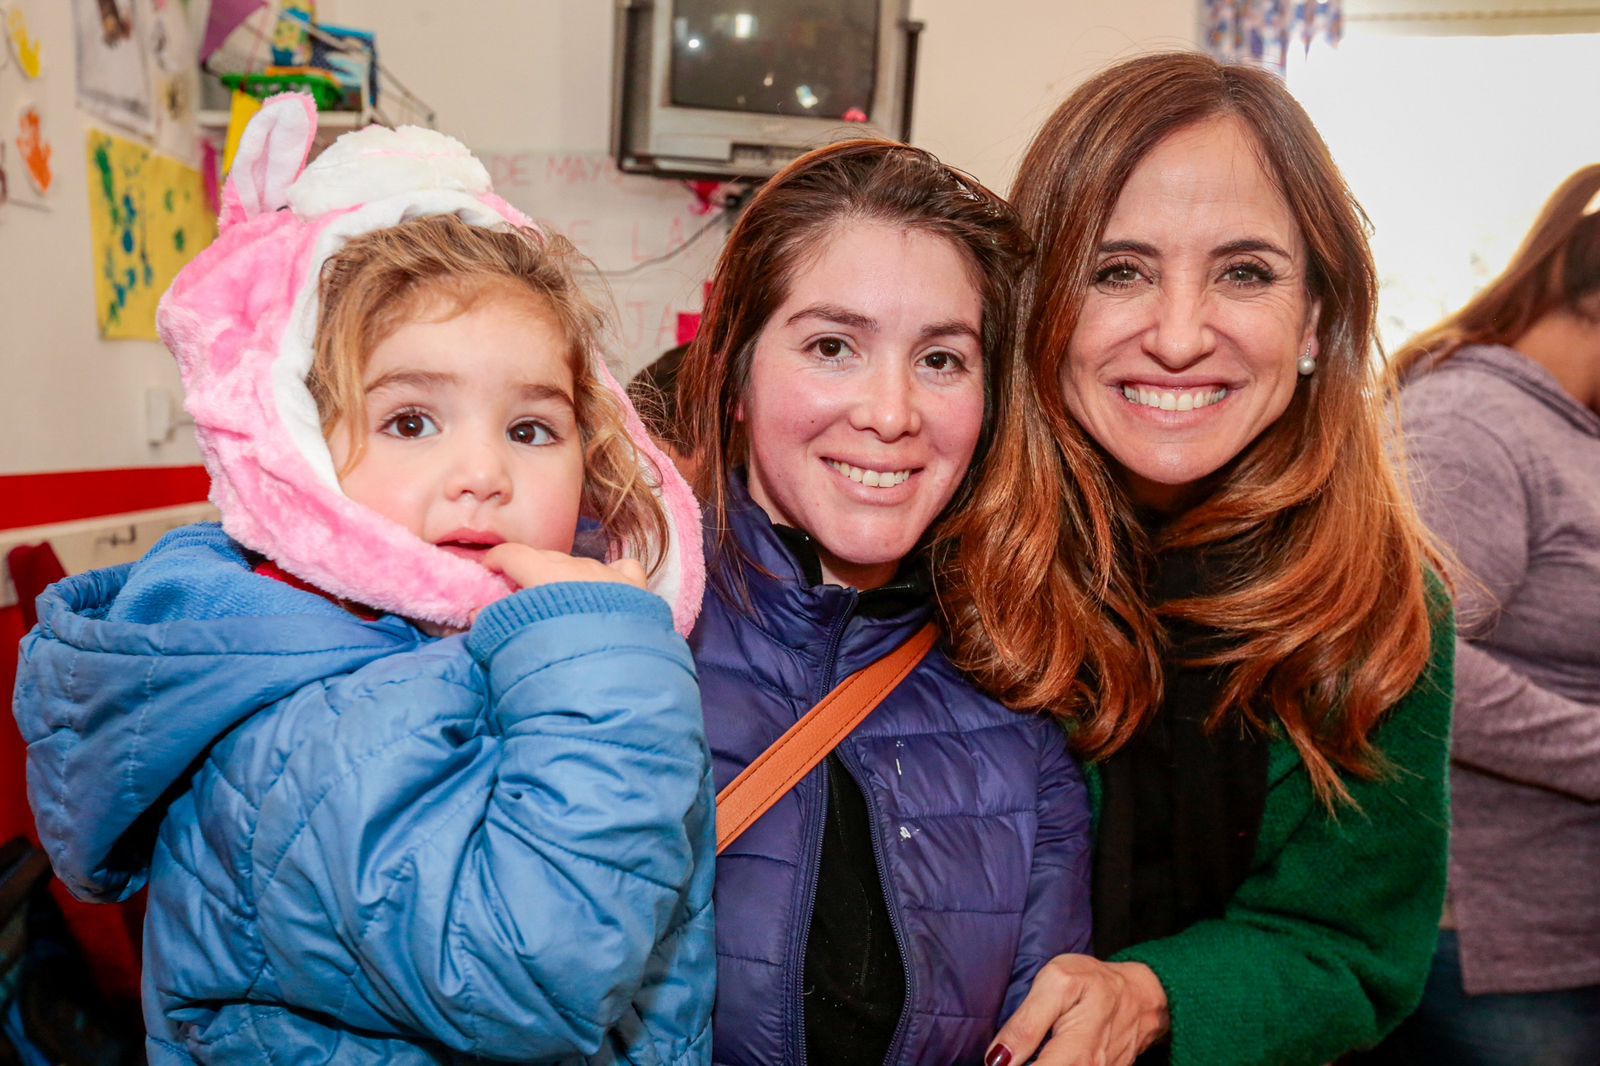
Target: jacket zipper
890,902
830,663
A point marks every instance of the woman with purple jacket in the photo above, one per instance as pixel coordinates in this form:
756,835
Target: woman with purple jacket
850,370
1501,410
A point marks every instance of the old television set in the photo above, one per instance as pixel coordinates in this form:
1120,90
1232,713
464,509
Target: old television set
738,88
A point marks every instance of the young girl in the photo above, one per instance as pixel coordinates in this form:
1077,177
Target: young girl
364,843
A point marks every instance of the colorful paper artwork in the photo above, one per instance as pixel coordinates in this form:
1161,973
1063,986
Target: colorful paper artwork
291,36
23,45
35,151
225,17
147,218
113,63
175,78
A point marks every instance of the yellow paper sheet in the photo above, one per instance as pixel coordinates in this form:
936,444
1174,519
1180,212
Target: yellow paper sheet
147,218
242,110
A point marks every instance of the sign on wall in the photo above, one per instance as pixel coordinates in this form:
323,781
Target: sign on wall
652,241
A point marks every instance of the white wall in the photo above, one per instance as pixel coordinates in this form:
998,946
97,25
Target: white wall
68,400
991,71
501,74
537,73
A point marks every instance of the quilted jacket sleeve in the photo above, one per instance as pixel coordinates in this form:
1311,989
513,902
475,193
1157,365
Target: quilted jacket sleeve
1056,921
496,880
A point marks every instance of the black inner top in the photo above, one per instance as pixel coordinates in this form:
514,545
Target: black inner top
1181,807
855,977
855,983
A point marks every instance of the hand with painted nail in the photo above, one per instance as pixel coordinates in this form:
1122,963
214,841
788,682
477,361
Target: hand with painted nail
1084,1012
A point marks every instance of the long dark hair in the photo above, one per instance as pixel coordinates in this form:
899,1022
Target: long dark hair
1556,268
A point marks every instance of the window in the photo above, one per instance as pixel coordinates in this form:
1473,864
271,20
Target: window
1452,135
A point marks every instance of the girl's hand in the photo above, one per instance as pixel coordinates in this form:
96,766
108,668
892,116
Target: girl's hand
530,567
1093,1013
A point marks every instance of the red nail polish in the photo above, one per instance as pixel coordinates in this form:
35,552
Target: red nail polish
999,1055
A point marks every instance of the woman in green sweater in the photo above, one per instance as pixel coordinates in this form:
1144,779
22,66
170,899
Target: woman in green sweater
1273,819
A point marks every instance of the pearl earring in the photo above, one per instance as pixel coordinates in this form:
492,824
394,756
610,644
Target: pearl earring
1307,364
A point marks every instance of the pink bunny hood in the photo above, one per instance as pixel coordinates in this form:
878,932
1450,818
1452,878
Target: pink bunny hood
241,320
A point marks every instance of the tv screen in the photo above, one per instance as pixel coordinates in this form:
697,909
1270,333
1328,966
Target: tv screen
815,58
738,88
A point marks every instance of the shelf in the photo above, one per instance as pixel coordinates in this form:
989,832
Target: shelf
326,120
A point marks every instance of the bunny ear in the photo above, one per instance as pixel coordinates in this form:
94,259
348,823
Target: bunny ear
272,153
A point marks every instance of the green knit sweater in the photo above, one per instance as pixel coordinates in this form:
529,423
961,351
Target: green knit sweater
1327,943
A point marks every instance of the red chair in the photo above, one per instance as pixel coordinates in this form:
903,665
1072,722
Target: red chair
110,935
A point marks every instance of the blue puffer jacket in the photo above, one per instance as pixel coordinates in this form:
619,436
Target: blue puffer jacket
375,846
980,819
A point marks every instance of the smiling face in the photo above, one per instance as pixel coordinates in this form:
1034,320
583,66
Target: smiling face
1197,313
471,437
865,397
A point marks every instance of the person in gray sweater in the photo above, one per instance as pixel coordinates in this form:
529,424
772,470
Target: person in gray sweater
1500,408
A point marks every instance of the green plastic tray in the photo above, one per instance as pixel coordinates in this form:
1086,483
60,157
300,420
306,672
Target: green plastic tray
322,87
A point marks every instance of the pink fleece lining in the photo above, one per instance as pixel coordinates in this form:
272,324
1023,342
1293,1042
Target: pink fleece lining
247,305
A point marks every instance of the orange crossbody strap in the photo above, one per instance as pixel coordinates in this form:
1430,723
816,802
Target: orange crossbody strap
807,742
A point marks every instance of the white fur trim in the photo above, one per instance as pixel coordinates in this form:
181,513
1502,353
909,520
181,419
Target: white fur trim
377,163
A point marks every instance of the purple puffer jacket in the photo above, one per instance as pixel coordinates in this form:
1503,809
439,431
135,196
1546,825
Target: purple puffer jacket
980,817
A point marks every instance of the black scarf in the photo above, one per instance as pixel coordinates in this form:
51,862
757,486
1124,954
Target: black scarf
1181,808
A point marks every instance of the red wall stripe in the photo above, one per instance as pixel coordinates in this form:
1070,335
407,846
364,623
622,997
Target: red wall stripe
42,499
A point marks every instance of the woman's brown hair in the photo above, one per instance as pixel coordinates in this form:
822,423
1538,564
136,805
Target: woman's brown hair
1557,268
1320,597
445,266
778,233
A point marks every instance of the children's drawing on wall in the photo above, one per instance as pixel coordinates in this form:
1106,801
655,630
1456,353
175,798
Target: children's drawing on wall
175,74
20,42
147,218
33,171
27,170
291,35
113,64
